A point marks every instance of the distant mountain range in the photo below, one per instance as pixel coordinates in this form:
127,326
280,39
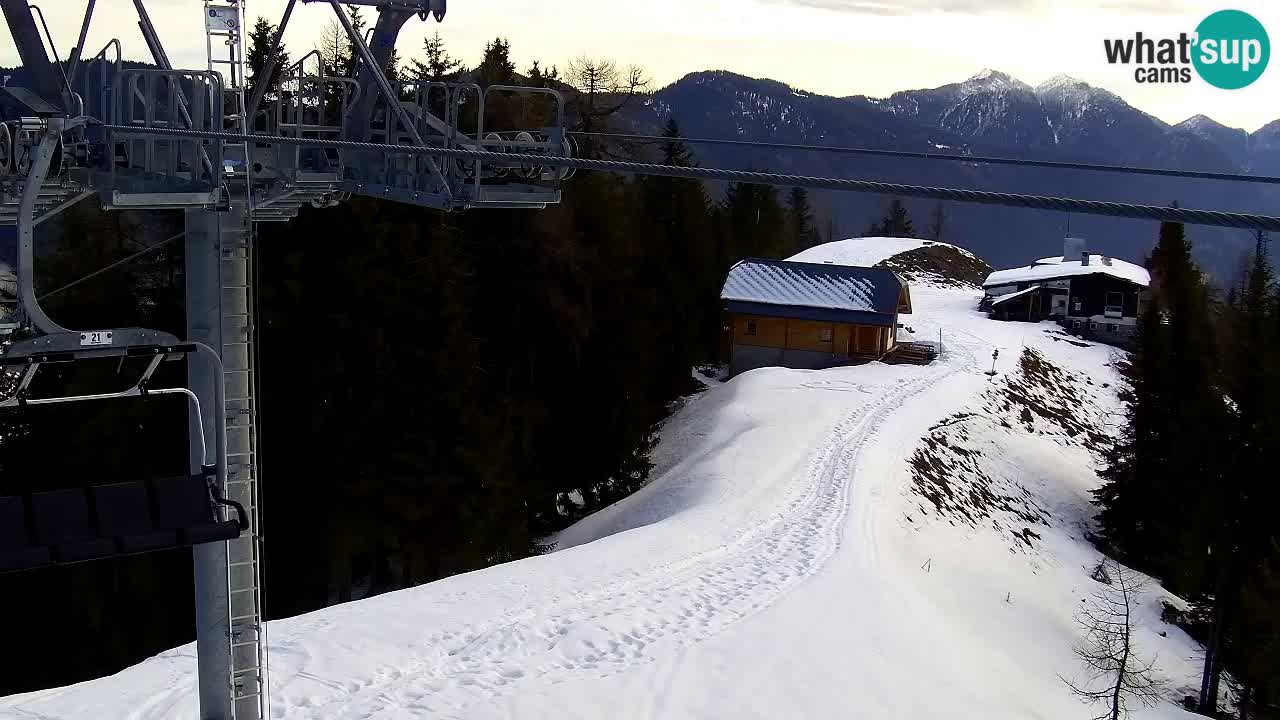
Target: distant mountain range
991,113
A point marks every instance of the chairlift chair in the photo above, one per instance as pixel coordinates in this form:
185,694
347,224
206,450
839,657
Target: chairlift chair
90,522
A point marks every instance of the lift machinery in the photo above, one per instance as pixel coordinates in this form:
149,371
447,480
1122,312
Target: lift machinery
90,126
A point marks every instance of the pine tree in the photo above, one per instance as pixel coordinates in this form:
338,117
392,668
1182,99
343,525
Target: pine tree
1257,659
350,60
895,223
496,68
1249,494
799,220
938,223
437,64
260,38
1168,458
754,223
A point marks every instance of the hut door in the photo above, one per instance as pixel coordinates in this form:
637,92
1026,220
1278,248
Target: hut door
867,339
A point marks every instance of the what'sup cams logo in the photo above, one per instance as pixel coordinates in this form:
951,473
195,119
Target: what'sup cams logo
1228,50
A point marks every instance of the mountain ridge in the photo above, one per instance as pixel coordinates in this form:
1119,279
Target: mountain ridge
989,113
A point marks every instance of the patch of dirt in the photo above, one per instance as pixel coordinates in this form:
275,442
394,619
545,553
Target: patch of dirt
952,474
942,264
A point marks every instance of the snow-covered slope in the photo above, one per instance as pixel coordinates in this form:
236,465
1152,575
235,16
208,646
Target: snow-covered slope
874,542
859,251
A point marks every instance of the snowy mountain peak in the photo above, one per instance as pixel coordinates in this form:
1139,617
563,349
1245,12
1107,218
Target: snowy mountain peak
1204,123
995,78
1062,82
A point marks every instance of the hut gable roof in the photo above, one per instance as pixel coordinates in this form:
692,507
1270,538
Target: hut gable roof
860,291
1056,268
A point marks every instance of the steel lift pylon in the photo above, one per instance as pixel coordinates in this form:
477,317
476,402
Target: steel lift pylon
87,129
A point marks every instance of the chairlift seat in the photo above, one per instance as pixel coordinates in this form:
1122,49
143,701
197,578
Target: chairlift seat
17,551
183,504
124,513
66,526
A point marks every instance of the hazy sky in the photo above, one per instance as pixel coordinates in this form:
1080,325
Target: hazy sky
835,47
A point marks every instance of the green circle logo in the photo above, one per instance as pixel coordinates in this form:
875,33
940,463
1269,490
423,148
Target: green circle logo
1232,49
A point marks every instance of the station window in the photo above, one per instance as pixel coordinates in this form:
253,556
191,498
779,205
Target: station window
824,334
751,327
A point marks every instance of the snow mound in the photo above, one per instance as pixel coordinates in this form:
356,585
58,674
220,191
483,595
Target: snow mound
862,251
924,262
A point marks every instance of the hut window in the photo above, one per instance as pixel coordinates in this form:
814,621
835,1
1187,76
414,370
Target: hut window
1112,327
751,328
824,334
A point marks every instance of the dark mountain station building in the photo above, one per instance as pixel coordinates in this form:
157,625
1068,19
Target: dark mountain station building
1094,296
810,315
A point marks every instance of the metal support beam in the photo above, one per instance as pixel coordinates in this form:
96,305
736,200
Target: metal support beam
269,69
383,34
78,50
27,301
375,70
26,37
204,325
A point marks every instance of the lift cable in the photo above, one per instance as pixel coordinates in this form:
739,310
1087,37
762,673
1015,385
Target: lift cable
1036,202
112,266
980,159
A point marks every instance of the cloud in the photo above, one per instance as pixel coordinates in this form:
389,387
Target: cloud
1149,7
913,7
977,7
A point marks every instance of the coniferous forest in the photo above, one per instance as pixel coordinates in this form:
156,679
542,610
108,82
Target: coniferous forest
1190,491
439,391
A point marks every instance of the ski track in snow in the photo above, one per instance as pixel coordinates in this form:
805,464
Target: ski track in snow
681,601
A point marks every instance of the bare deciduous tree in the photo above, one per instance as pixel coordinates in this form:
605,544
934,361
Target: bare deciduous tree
603,90
1115,674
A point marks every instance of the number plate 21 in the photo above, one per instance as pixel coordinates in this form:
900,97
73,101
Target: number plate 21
95,337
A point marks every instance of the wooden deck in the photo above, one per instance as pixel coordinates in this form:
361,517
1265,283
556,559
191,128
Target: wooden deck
912,353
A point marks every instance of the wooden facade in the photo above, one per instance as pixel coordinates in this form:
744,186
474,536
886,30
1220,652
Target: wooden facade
841,340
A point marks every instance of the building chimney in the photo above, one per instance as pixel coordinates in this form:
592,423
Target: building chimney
1106,260
1073,248
1084,259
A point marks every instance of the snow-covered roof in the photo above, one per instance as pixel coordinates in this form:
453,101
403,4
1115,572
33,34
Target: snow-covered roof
1010,296
825,286
865,251
1057,267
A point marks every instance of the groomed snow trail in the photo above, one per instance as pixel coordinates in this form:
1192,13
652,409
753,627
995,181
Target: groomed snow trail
674,602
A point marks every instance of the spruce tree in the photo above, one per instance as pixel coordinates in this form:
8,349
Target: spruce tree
260,38
1161,495
938,223
437,64
895,223
799,220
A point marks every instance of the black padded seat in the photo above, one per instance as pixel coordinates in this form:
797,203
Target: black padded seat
63,522
124,514
182,504
16,550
